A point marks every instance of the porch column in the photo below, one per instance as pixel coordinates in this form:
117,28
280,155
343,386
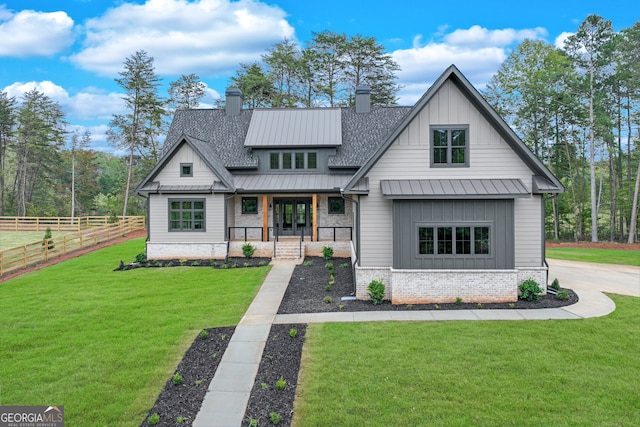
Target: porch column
265,218
314,231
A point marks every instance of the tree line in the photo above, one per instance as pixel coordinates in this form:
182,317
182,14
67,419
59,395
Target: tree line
576,107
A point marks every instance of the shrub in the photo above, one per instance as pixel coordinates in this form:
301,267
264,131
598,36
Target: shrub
195,263
530,290
46,240
458,300
182,262
329,266
563,295
275,418
327,288
345,265
307,263
177,379
141,257
555,284
252,422
153,419
204,334
248,249
180,420
281,383
327,252
327,299
245,264
293,332
341,307
479,305
262,263
376,291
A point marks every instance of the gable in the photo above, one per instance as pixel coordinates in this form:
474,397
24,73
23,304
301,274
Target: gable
170,173
494,149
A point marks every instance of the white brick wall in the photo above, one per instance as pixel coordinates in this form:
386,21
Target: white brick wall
216,250
444,286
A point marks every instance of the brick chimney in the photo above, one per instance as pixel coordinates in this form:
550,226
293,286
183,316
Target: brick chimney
363,99
233,104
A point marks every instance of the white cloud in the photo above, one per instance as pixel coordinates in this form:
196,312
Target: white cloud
559,41
208,37
31,33
86,105
478,36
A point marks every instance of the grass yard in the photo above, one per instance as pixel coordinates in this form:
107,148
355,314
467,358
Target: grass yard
499,373
11,239
601,256
103,343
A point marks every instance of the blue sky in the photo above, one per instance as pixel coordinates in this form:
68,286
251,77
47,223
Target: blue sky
73,49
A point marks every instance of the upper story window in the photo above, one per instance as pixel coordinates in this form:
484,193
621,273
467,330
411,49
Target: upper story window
186,214
449,146
293,160
186,169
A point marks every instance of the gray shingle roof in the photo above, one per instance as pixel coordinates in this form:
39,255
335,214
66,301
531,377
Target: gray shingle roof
225,135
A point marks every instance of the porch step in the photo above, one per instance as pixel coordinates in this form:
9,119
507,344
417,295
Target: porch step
288,250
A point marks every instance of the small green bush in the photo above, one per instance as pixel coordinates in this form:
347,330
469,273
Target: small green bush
345,265
153,419
281,383
262,263
327,299
563,295
530,290
341,307
245,264
177,379
248,250
293,332
327,288
46,240
376,291
182,262
195,263
458,300
327,252
479,305
275,418
555,284
141,257
252,422
307,263
180,420
204,334
329,266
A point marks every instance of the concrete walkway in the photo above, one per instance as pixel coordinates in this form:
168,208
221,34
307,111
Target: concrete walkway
228,394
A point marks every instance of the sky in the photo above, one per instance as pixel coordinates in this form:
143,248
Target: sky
72,50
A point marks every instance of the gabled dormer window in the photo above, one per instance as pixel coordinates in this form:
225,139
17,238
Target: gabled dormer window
449,146
186,169
298,160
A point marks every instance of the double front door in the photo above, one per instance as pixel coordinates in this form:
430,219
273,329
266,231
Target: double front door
293,216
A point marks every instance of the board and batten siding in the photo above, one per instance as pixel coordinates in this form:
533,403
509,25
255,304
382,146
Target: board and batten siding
170,173
214,219
408,157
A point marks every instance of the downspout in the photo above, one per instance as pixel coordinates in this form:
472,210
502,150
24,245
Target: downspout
357,261
226,223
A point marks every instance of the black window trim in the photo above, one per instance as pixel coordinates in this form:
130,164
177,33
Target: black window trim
182,166
293,163
432,147
246,212
187,230
453,225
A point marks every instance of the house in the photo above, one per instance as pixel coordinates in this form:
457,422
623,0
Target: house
441,200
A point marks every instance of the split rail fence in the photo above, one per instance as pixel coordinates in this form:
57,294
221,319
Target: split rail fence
92,231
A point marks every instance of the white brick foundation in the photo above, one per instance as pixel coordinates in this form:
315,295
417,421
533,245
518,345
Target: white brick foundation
444,286
216,250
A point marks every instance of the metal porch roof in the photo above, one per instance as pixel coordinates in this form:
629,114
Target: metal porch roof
290,183
453,189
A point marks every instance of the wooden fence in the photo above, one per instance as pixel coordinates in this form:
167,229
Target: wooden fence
17,223
44,250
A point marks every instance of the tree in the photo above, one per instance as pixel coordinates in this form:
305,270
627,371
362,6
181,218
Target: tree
186,92
77,144
137,130
591,49
283,64
255,85
39,136
328,55
7,125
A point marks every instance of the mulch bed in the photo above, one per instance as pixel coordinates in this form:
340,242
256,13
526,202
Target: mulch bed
595,245
231,262
197,368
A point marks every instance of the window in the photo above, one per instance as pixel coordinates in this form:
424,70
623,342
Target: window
286,160
299,160
312,160
186,215
454,240
336,205
274,160
249,205
186,169
450,147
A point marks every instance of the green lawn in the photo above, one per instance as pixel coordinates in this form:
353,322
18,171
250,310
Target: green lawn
494,373
602,256
11,239
103,343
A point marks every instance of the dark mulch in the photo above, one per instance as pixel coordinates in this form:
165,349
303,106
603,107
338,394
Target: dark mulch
307,291
281,358
305,294
231,262
199,364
